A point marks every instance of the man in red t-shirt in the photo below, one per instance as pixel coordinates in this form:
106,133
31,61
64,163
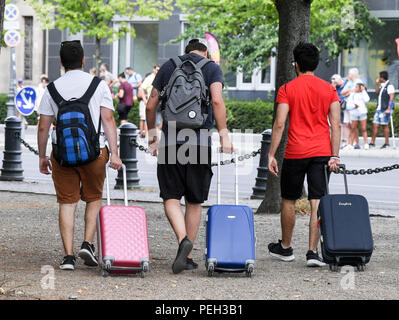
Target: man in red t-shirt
311,104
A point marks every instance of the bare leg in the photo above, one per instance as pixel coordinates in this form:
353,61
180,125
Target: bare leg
287,221
354,135
192,221
386,134
314,235
92,209
363,127
374,134
66,224
176,219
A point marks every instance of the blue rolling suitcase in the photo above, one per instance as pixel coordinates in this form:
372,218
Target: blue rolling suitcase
345,231
230,235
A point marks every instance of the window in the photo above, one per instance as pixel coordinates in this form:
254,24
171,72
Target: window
378,55
258,80
28,47
140,52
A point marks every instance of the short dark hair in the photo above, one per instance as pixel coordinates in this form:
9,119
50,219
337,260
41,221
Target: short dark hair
384,75
128,68
122,75
195,44
71,54
307,56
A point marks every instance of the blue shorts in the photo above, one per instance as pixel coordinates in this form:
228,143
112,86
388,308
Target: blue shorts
381,118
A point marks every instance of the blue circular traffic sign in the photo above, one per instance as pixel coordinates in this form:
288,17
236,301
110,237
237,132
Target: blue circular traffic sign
12,38
25,101
11,12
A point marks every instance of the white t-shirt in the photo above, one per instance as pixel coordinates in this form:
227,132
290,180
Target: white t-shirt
360,99
390,89
73,85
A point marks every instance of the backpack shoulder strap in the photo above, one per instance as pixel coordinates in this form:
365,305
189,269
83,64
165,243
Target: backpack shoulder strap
91,90
58,99
177,61
202,63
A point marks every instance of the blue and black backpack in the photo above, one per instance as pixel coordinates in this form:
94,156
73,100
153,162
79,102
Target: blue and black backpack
77,139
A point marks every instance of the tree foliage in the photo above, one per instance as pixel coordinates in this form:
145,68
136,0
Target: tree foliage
94,18
248,30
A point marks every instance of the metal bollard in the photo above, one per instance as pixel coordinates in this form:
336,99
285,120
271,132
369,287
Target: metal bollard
127,153
261,179
12,161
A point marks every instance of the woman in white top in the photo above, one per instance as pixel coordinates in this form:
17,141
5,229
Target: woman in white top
358,114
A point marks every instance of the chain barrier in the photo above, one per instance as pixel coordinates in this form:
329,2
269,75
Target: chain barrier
369,171
225,162
18,136
239,158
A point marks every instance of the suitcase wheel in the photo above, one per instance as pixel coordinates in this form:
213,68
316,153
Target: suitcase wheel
104,273
145,267
360,267
334,267
250,270
211,269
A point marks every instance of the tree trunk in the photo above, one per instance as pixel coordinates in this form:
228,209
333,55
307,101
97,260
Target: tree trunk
294,27
98,55
2,6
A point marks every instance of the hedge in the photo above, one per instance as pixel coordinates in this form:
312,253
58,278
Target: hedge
241,115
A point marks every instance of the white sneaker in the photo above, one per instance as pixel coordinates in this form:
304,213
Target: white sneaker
366,146
348,147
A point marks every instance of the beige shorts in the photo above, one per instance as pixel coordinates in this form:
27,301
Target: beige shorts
347,117
142,110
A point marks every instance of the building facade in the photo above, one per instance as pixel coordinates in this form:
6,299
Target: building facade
30,54
154,44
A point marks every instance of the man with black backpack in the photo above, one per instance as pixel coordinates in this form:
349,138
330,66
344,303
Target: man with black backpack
83,107
190,88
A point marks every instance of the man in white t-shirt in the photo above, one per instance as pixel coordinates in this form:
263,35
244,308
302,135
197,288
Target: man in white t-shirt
385,104
84,182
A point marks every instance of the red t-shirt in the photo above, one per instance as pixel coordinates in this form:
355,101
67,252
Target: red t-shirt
309,99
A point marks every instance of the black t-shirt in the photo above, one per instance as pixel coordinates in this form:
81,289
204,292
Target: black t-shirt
211,71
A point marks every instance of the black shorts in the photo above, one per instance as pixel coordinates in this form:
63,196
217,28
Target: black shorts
189,177
123,111
293,176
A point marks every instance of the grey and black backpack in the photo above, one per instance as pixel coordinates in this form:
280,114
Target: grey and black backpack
186,97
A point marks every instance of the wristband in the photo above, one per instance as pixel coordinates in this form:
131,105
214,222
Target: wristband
336,158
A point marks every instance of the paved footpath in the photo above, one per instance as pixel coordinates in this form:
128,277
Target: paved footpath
30,249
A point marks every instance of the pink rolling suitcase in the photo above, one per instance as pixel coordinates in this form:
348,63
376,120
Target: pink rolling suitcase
122,236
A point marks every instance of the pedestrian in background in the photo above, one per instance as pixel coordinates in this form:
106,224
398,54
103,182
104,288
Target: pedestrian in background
125,95
338,83
147,88
349,87
41,88
135,80
385,104
358,113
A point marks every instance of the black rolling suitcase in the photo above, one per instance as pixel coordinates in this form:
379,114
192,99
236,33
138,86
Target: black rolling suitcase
345,231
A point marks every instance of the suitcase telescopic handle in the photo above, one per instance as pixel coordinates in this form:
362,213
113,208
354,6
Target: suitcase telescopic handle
124,183
341,166
219,152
